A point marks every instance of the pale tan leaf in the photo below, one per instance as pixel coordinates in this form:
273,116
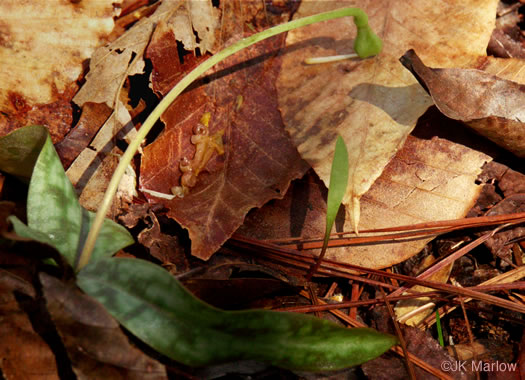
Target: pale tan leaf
427,180
43,45
373,104
414,310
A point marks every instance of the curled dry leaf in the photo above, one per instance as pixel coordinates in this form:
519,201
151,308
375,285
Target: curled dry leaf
404,307
258,162
373,104
492,106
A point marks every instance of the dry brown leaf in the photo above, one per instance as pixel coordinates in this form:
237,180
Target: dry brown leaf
164,247
93,116
111,64
490,105
24,354
43,50
97,347
427,180
374,103
506,40
258,161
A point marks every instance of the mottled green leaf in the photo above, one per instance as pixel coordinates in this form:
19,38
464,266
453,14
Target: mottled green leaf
19,150
152,304
55,217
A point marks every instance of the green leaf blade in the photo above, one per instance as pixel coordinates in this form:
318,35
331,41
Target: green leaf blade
53,211
338,183
151,304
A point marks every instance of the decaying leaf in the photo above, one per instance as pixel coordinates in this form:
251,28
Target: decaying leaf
48,43
492,106
427,180
506,40
164,247
373,104
101,350
258,162
25,355
111,64
42,49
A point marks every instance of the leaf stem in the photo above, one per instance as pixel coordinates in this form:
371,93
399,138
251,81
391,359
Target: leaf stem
366,44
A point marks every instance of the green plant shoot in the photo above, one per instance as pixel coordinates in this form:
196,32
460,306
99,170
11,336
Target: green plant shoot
439,330
366,44
336,192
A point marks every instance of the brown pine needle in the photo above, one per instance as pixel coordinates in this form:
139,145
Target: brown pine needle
302,262
396,234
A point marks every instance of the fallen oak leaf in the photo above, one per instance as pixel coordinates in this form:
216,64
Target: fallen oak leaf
490,105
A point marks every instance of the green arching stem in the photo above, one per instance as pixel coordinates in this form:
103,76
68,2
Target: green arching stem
366,44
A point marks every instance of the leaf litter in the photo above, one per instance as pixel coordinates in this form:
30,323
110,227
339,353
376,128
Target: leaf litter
426,179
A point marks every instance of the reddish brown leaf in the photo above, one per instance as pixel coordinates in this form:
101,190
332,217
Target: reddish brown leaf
491,105
164,247
259,160
506,40
96,345
56,116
